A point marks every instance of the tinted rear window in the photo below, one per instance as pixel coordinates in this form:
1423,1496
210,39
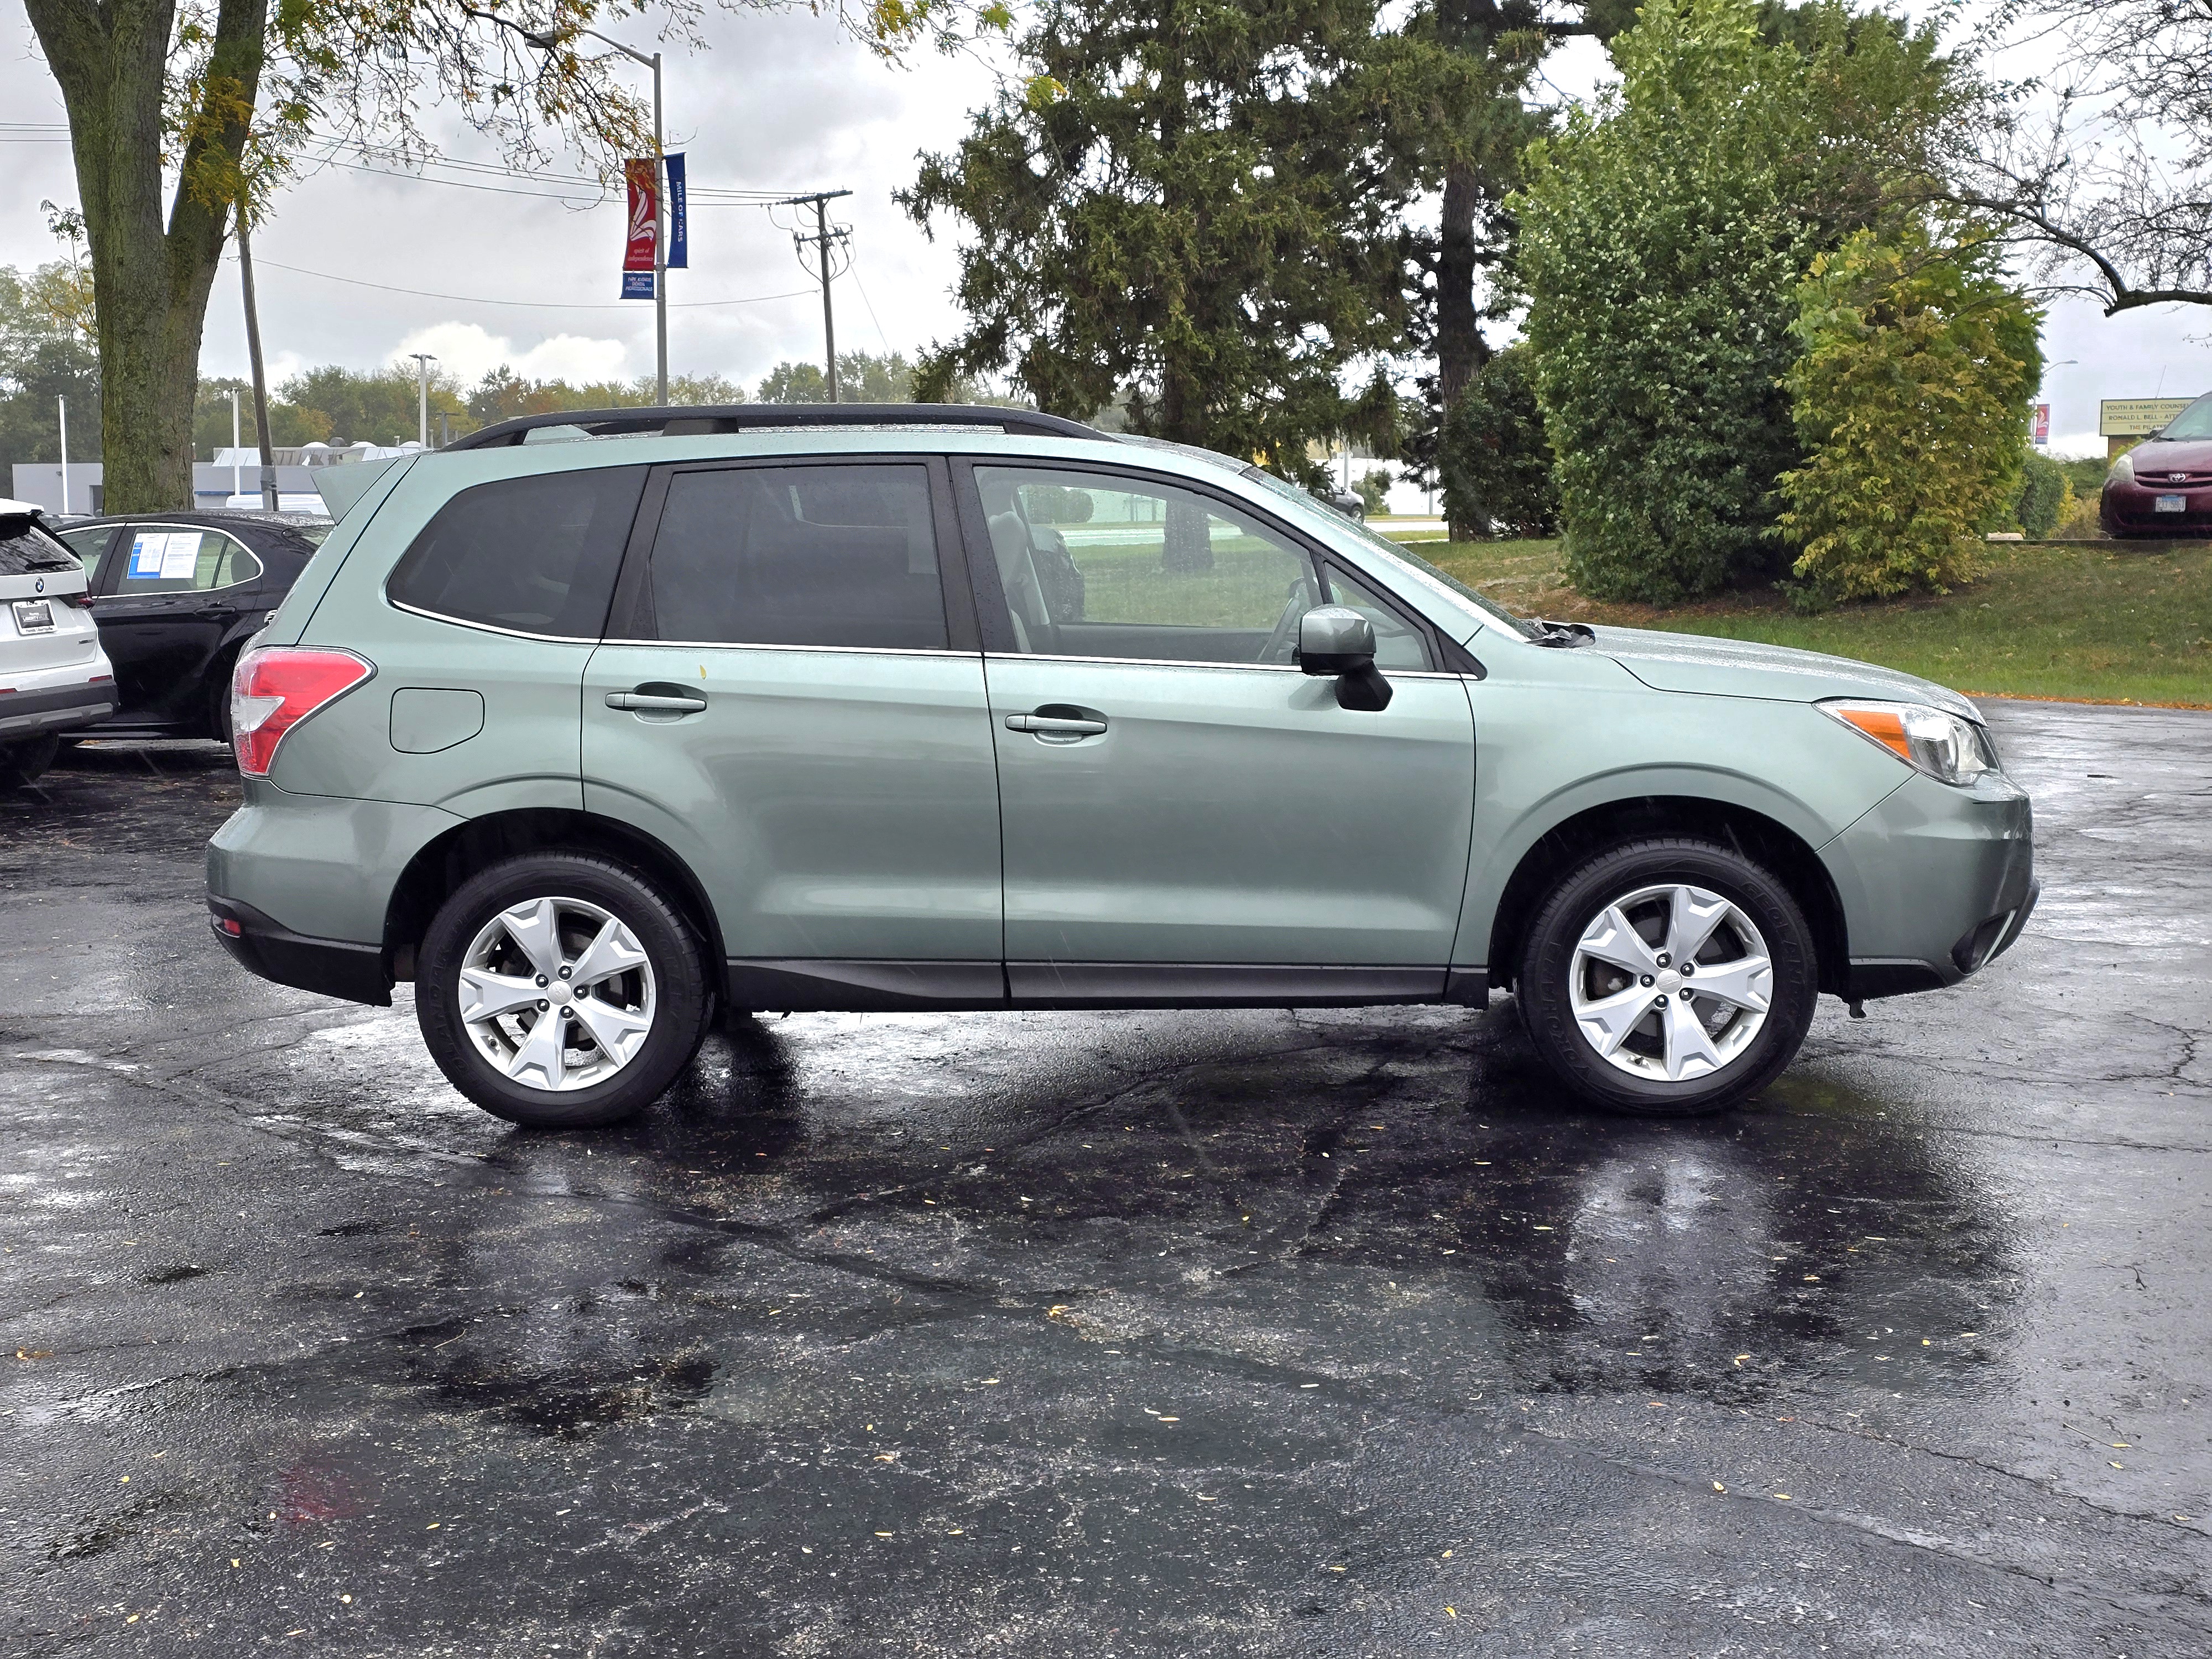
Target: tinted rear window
536,555
26,548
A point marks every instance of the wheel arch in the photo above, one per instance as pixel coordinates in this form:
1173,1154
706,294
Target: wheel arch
442,864
1766,841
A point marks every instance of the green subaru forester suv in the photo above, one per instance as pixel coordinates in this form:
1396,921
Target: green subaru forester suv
590,724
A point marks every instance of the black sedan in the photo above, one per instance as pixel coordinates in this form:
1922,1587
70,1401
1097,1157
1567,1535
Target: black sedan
176,594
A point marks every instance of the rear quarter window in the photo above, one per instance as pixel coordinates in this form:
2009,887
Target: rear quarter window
536,555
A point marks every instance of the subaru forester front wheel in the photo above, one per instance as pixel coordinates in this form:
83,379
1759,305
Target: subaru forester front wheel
560,992
1668,976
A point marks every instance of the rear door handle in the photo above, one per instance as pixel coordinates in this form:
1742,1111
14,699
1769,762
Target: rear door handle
656,702
1055,726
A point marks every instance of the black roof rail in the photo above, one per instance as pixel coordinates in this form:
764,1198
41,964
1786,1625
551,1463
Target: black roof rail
681,421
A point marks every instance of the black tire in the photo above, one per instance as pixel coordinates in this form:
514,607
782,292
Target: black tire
24,763
683,1002
1548,961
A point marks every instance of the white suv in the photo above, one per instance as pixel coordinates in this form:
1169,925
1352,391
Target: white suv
53,675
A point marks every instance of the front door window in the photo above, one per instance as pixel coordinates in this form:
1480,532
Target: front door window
1098,565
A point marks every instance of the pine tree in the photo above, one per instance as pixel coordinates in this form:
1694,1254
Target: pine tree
1192,209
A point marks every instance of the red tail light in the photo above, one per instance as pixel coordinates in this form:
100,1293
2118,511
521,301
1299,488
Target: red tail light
273,689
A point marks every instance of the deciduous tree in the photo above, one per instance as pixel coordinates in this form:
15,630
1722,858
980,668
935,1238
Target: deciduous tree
216,96
1664,231
1910,399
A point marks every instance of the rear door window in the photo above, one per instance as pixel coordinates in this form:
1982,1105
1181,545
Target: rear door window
535,555
176,559
799,556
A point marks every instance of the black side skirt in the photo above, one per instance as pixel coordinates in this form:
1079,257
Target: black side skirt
804,985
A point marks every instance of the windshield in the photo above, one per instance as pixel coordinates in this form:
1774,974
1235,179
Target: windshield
1397,550
27,548
2194,422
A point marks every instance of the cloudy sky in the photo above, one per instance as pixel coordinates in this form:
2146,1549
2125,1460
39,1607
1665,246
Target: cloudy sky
776,102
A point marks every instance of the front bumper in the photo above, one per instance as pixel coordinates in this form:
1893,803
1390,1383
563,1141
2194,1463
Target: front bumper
2132,509
1936,883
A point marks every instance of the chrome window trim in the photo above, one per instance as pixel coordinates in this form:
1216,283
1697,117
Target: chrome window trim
673,645
260,568
1184,662
490,628
751,645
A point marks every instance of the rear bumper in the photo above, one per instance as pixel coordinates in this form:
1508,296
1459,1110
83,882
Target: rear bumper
1936,883
328,967
55,708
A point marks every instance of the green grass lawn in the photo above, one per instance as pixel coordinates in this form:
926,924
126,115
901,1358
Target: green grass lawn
2097,622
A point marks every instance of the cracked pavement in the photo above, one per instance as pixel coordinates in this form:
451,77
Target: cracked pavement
1209,1333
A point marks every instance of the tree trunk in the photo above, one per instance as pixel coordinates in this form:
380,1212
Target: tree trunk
1461,348
150,286
1187,544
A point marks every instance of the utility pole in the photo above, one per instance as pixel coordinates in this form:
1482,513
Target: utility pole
62,405
260,381
822,236
423,361
237,483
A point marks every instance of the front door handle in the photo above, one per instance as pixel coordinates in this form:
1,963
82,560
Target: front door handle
656,702
1055,726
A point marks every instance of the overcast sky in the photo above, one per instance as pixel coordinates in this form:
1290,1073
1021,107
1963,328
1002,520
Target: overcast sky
775,102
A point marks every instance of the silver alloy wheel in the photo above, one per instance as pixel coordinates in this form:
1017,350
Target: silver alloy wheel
1670,982
556,994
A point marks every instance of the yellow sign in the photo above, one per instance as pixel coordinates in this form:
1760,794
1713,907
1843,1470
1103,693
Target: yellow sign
2136,417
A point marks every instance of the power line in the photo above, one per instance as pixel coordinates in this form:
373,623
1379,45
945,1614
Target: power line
525,305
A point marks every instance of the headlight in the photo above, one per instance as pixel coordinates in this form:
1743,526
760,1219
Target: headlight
1930,740
2122,469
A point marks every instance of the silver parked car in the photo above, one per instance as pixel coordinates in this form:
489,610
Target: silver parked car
590,722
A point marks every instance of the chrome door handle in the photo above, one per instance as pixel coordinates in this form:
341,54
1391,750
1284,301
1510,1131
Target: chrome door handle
652,702
1055,726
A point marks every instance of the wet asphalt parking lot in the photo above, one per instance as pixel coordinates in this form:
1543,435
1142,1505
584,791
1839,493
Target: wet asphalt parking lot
1215,1333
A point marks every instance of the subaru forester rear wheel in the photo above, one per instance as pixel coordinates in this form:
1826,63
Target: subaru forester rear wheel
1668,976
560,992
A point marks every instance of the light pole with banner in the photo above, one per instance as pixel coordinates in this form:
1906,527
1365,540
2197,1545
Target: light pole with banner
665,168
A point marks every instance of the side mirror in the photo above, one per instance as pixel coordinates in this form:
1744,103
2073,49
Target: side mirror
1336,639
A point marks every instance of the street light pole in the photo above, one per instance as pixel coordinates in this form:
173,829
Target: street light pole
423,361
550,41
659,245
237,443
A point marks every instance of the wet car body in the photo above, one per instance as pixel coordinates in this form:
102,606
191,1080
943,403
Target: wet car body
2164,484
173,631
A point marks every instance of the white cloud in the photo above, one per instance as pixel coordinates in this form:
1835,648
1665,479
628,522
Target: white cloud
469,351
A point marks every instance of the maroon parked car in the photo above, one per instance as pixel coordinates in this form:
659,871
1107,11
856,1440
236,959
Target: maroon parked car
2165,483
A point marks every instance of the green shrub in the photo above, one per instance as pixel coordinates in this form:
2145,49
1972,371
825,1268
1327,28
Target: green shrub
1497,466
1911,398
1662,231
2045,495
1371,487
